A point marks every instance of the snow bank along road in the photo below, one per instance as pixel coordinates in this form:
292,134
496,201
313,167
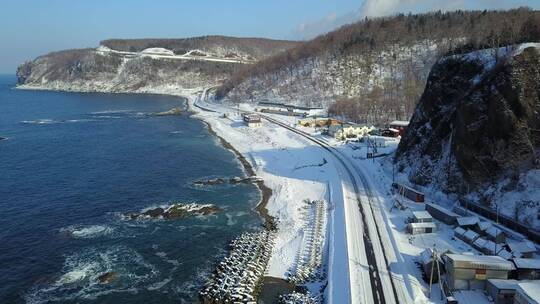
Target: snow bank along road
360,221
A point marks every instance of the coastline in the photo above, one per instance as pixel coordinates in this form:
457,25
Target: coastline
265,191
186,94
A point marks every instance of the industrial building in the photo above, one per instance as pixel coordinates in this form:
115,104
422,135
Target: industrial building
442,214
472,271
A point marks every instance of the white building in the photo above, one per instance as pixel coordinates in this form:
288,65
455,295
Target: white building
528,293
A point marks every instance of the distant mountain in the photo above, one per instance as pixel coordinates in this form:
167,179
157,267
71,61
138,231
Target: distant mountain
169,66
477,128
375,70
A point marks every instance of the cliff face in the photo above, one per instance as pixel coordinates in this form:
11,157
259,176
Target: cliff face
477,126
146,65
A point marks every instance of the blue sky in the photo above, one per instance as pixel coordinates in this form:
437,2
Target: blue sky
34,27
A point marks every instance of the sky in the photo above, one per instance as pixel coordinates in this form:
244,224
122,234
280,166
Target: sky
35,27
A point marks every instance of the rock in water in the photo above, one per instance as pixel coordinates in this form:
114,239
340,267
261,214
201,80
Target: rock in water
175,211
107,277
173,111
157,212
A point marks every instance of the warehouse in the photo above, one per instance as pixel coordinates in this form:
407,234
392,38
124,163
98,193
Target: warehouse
501,291
442,214
528,293
419,228
472,271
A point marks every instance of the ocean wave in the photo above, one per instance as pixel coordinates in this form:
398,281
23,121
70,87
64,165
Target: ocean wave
47,121
40,121
81,272
111,112
88,232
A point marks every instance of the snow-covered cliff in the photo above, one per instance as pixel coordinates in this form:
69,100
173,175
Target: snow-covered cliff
477,128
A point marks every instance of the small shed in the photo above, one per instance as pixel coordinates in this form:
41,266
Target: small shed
527,293
496,234
442,214
467,221
505,254
419,228
421,217
426,260
472,271
470,236
479,243
527,269
459,233
483,225
399,125
501,291
523,249
252,120
410,193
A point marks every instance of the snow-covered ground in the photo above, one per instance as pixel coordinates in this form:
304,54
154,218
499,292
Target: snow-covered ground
297,169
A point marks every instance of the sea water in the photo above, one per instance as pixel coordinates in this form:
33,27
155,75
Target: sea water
74,163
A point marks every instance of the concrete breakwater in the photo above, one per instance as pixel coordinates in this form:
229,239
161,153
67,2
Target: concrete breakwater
238,277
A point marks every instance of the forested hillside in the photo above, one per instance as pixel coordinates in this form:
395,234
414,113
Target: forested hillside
375,70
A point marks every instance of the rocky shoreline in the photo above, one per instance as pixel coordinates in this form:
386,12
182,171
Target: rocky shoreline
266,193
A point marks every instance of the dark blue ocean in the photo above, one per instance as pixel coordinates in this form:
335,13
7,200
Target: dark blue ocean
73,163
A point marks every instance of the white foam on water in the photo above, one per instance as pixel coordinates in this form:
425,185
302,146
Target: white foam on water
111,112
158,285
88,232
230,220
40,121
79,278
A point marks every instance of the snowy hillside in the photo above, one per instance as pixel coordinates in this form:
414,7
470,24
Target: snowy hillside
374,71
476,129
167,66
